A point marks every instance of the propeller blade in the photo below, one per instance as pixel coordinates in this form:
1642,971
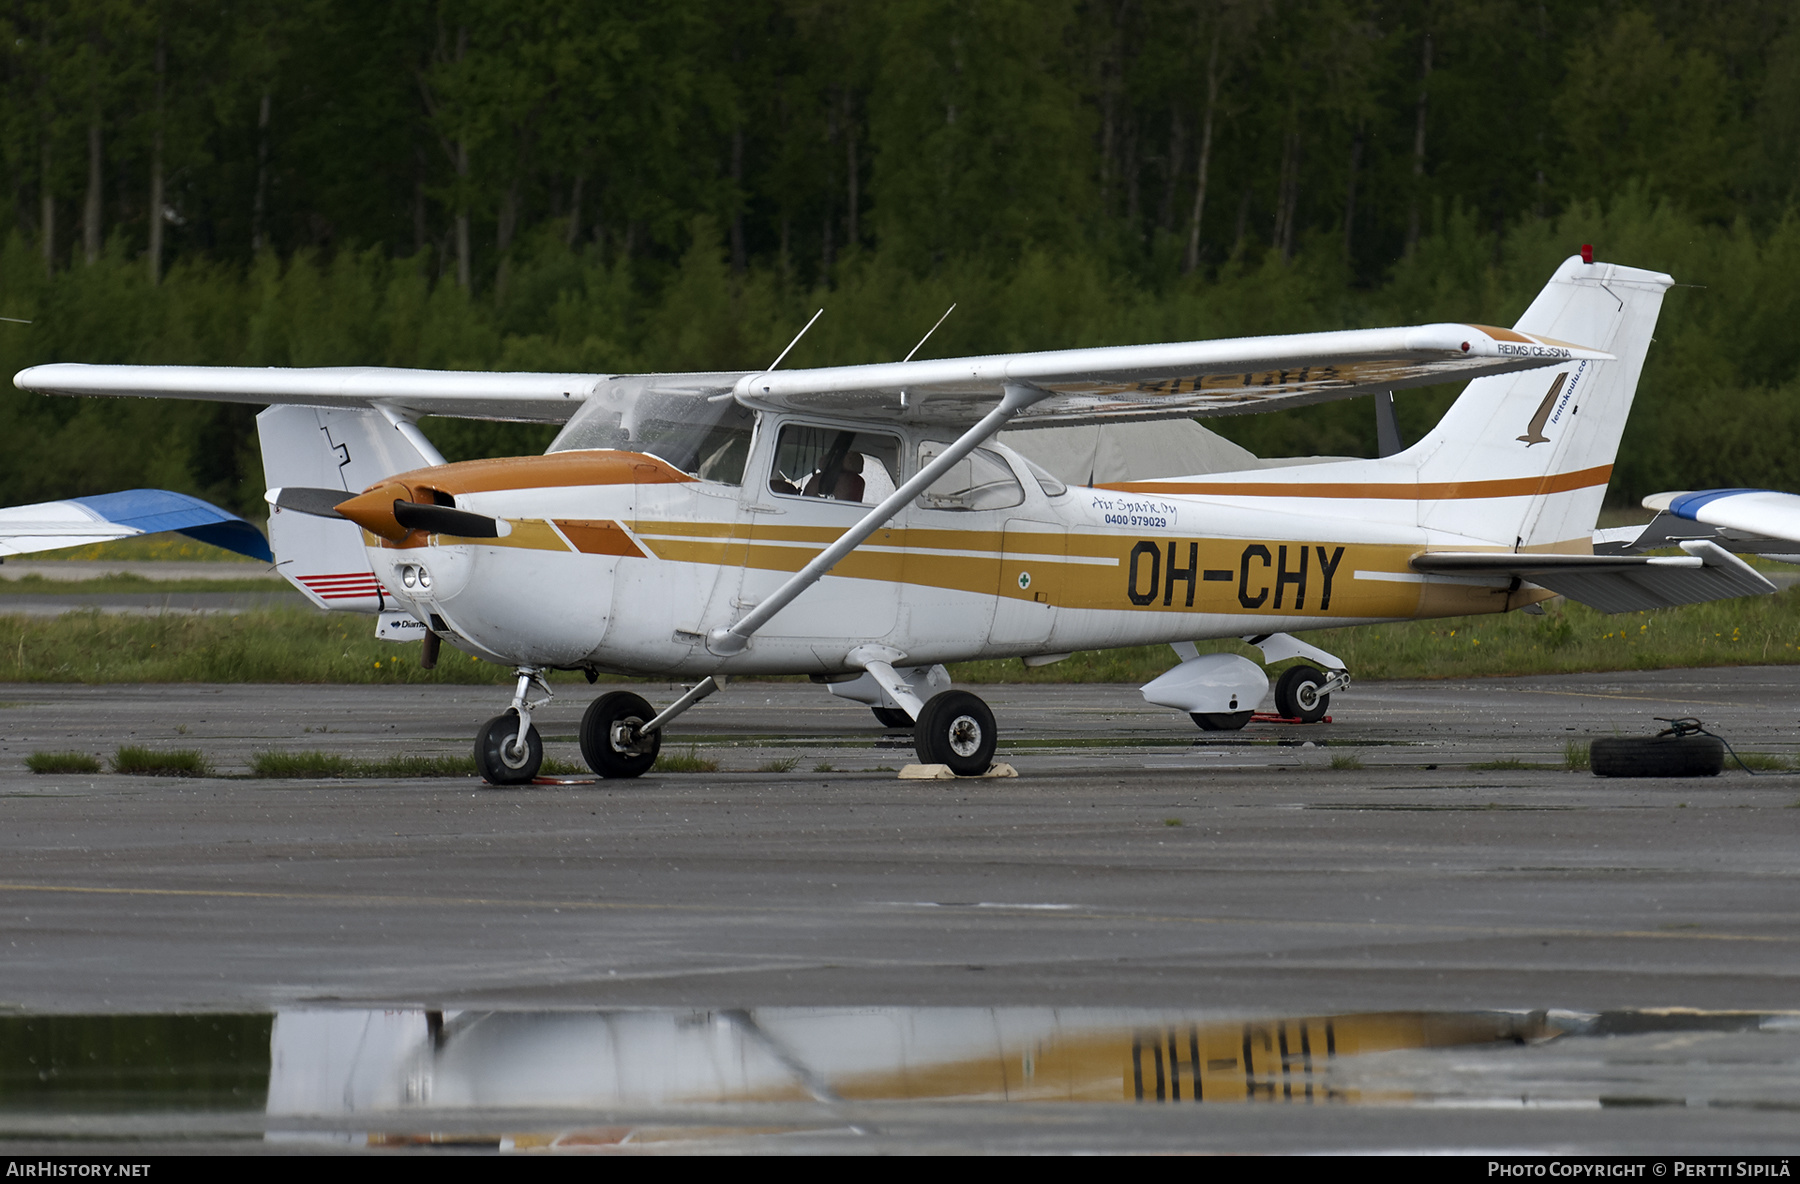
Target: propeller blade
320,503
445,520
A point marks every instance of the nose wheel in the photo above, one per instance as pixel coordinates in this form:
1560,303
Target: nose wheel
503,756
508,749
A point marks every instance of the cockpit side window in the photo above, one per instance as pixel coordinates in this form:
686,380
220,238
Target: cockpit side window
980,481
835,464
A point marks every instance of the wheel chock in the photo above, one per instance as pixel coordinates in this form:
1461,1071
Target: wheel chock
943,773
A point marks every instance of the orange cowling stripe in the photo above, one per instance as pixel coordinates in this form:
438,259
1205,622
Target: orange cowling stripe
1432,491
604,466
373,509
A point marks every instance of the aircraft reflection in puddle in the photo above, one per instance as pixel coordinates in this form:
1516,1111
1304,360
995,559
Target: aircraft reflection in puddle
600,1079
363,1063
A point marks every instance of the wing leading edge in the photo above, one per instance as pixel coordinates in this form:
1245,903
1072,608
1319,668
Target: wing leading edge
1179,380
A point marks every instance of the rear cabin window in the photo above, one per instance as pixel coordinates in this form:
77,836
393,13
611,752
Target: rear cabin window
834,464
980,481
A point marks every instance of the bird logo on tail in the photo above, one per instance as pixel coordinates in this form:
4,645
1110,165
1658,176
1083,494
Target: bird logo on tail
1534,434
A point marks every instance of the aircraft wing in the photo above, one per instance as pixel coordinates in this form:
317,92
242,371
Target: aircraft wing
1130,382
1178,380
1762,513
471,394
1614,583
78,521
1754,521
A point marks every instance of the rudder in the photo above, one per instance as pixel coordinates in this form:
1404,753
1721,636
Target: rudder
1522,460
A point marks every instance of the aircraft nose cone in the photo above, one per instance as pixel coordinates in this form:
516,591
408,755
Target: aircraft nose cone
374,510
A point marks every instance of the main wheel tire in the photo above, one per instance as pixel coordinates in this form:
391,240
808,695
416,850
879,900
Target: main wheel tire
892,717
1221,721
1657,756
1297,694
496,758
956,729
609,741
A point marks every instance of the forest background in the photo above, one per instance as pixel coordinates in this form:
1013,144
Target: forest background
607,186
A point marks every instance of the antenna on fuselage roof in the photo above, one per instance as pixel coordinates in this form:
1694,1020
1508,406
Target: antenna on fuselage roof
928,333
795,341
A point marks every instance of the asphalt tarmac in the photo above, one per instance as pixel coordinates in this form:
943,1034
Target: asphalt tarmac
1368,865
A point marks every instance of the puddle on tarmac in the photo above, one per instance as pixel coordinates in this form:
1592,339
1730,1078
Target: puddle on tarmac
595,1079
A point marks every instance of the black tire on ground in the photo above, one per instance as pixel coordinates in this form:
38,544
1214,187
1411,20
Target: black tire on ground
1221,721
609,741
956,729
495,756
1657,756
892,717
1297,694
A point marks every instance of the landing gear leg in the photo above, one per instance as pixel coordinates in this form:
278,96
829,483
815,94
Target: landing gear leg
508,749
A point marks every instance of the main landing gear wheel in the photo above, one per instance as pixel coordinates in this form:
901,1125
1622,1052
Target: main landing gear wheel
956,729
500,759
892,717
1221,721
1297,694
610,742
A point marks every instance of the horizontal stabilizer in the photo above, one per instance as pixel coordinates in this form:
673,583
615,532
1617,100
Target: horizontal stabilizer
79,521
1614,583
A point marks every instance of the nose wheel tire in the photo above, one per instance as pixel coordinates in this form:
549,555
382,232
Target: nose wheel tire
1297,694
892,717
610,743
956,729
1220,721
500,759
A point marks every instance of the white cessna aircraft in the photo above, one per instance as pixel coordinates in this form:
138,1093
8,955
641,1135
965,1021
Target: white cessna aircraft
863,525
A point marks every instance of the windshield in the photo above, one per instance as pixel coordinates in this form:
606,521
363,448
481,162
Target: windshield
710,439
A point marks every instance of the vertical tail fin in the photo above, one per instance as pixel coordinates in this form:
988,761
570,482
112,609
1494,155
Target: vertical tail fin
325,448
1523,460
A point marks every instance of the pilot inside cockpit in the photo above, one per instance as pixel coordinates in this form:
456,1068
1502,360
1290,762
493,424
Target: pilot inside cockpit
834,465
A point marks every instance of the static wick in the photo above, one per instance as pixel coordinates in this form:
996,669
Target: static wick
927,337
796,340
15,320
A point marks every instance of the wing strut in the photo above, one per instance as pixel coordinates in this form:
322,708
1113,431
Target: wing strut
733,639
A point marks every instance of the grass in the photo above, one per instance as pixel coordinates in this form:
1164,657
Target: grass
1575,756
1171,822
62,762
1346,761
685,762
1504,764
786,764
1763,762
304,646
312,765
117,582
150,762
823,767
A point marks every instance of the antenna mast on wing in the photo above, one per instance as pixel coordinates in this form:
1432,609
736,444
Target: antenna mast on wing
796,340
928,333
